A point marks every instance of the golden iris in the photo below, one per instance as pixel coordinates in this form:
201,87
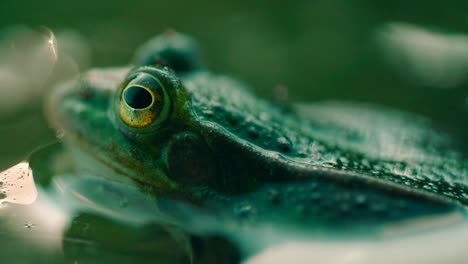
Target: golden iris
143,102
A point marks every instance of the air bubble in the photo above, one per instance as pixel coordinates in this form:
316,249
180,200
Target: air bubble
29,225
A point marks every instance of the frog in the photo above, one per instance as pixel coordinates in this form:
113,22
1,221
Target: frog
222,161
184,133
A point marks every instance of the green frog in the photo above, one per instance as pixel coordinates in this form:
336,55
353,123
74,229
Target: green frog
182,132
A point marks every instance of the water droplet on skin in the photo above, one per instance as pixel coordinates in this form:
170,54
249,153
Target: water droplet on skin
283,144
264,116
245,211
252,132
208,113
342,161
361,199
428,187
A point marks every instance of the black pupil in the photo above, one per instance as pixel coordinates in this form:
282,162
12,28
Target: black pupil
137,97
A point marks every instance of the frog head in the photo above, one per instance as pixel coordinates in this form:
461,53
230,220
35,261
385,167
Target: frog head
139,121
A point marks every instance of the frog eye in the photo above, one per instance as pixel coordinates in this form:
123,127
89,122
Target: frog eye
144,101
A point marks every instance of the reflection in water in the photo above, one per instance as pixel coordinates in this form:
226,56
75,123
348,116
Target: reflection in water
84,217
93,219
32,221
17,185
426,56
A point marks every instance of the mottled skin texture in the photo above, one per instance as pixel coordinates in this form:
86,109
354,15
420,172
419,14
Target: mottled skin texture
226,150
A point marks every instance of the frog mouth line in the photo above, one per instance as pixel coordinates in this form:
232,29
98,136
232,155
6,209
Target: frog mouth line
122,171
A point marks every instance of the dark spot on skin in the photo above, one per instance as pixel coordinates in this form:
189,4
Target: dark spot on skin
85,94
300,210
214,249
159,61
274,196
233,120
191,162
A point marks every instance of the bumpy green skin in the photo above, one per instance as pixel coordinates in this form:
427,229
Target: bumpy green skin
225,149
315,164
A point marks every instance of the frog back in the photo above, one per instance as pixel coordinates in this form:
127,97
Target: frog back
258,142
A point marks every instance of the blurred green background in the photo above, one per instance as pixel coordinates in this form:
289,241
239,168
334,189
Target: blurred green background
320,50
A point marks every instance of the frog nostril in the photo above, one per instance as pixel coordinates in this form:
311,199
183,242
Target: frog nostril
85,93
138,97
159,61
